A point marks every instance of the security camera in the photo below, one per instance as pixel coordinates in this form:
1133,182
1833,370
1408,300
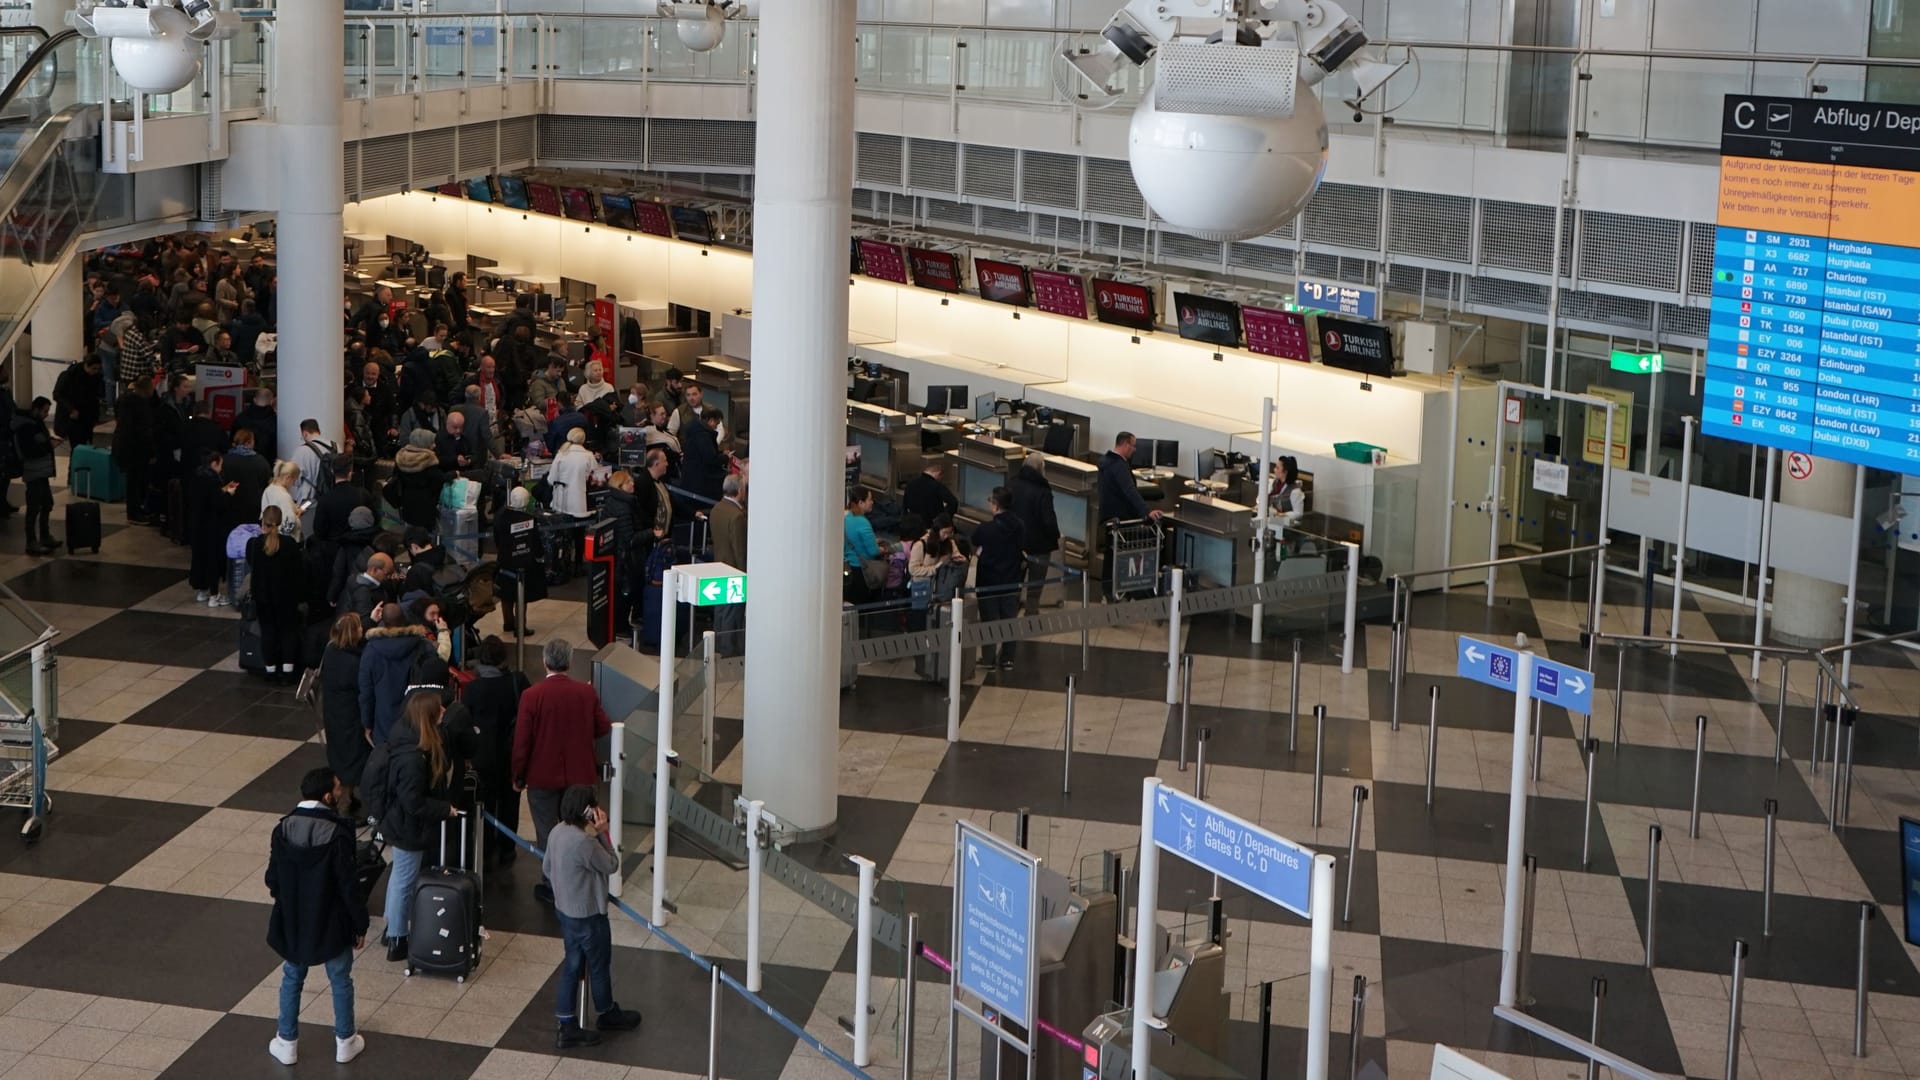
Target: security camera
156,48
1231,141
701,25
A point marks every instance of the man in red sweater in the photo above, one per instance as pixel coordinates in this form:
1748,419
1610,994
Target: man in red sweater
553,742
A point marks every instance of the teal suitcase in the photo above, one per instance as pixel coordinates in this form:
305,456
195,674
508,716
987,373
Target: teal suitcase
94,475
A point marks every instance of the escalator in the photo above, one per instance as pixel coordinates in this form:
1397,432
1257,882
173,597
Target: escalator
50,178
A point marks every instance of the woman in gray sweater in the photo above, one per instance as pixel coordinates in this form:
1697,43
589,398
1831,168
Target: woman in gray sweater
579,857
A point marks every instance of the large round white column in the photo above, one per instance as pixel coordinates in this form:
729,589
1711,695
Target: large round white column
1807,610
59,331
802,206
311,38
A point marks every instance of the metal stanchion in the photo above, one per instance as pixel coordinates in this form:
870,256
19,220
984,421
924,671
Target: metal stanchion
756,857
1539,740
863,964
1022,825
1066,744
1433,737
1266,1027
1359,1026
1186,698
1319,757
1860,983
1733,1009
1848,722
1593,1033
1293,702
908,998
1772,808
1840,721
708,699
1397,675
1586,813
1653,886
1619,689
1699,763
1200,764
1532,866
583,1012
713,1021
1780,716
1085,598
1819,718
1353,849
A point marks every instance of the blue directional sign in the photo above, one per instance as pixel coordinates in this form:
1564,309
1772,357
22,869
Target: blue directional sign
1555,683
995,906
1264,864
1337,297
1910,877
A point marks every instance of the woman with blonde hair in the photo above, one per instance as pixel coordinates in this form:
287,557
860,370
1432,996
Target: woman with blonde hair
273,558
347,742
279,495
418,790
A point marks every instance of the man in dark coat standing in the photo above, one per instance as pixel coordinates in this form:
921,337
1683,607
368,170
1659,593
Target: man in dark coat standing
133,445
319,913
1033,505
76,399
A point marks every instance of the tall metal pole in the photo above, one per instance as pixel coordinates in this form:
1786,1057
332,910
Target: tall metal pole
1780,716
1699,763
1433,737
1680,543
1860,984
1733,1008
1526,929
1593,1033
1177,592
1358,1026
1200,763
1619,688
708,699
1066,744
1262,498
1853,572
1586,812
957,617
1766,561
663,743
1353,849
1653,887
1293,702
803,143
1772,809
1516,831
863,965
756,846
1319,758
909,997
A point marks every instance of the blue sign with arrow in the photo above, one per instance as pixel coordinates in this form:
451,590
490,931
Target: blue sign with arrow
1264,864
1555,683
995,903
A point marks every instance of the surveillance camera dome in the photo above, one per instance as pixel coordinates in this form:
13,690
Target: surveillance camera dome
159,65
1228,177
702,35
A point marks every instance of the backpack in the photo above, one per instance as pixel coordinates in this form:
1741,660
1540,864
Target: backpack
375,784
328,455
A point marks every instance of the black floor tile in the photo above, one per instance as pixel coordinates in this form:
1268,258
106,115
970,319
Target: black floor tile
1879,740
1123,673
897,706
1473,825
75,734
671,994
1465,611
1814,941
1230,634
102,584
1691,674
1246,738
233,703
277,789
1287,1046
1633,1022
152,637
96,838
987,776
1876,854
1729,783
1186,888
870,828
236,1047
1445,994
150,946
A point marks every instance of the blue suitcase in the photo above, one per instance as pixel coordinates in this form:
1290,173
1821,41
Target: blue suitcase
93,475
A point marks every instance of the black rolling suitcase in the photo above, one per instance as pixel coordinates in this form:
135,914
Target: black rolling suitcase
252,653
176,512
445,936
83,526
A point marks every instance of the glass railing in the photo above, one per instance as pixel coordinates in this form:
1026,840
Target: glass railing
48,184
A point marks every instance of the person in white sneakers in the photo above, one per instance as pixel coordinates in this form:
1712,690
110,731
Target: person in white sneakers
319,912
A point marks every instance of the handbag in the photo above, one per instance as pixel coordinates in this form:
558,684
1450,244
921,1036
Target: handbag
874,573
920,593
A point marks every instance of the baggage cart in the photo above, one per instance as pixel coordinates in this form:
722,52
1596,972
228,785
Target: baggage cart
1133,557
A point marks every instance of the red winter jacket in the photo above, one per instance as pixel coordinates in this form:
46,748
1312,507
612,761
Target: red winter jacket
554,732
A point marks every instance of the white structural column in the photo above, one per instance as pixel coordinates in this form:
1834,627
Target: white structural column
802,207
59,331
1809,611
311,39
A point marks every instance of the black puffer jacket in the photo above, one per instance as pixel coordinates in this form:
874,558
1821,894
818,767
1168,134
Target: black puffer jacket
347,746
416,805
317,911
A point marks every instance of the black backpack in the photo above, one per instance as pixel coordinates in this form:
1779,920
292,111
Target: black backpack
328,455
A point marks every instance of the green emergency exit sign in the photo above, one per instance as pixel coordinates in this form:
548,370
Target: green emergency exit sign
1639,363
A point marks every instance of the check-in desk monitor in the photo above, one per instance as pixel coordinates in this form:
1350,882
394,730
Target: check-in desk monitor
889,445
983,463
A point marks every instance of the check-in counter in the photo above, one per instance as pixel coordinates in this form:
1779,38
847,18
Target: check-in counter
727,385
982,463
1212,538
889,444
1076,505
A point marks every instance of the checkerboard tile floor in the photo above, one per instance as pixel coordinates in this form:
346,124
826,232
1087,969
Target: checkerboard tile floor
132,936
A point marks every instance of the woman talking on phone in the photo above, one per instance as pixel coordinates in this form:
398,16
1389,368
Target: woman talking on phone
212,512
278,587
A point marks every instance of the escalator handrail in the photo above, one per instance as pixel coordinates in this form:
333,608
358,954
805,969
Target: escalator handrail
14,31
32,64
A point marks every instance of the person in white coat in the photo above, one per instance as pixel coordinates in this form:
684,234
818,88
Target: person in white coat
568,475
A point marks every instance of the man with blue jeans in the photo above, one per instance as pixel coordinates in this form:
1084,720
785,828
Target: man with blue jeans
577,862
319,916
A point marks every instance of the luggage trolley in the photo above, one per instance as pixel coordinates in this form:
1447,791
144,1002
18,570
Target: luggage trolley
1133,557
24,753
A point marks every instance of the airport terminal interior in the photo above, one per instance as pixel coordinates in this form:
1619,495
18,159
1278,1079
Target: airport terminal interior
1459,459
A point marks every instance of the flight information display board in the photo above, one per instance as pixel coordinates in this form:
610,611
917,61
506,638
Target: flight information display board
1815,337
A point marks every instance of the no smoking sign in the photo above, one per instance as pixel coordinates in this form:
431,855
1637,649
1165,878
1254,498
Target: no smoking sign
1799,465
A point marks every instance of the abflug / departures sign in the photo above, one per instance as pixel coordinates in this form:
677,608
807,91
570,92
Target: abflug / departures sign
1873,134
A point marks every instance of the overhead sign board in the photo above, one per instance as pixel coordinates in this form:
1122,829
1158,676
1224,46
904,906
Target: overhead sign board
1265,864
1554,683
710,583
996,921
1645,363
1338,297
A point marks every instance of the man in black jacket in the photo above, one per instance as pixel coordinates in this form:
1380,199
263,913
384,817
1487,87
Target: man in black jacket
133,445
76,394
319,912
1119,496
927,495
1000,550
1033,505
703,466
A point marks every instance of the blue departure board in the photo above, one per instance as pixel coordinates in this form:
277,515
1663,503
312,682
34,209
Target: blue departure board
1814,343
